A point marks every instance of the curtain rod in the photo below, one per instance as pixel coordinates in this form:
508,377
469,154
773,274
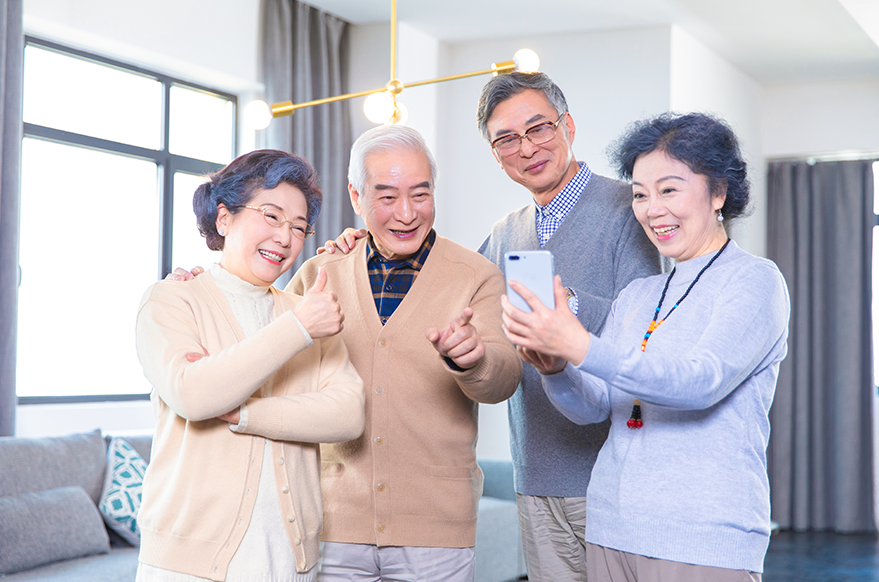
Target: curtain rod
843,156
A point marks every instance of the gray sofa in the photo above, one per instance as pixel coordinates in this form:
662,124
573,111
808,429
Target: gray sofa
63,532
499,555
50,488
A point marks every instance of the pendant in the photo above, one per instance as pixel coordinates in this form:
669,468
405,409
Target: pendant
635,421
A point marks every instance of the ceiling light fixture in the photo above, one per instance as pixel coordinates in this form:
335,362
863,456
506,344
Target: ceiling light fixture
381,105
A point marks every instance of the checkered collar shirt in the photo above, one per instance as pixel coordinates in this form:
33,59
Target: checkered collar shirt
550,217
391,280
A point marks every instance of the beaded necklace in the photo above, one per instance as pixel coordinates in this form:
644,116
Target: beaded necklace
635,420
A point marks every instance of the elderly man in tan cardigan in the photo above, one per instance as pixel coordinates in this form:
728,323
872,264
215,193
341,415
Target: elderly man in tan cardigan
423,330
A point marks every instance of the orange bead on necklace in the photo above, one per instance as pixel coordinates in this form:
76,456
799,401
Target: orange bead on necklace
635,420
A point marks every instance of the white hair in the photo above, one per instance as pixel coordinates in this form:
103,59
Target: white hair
384,138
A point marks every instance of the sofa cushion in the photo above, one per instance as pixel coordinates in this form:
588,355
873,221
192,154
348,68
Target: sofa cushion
44,527
121,496
39,464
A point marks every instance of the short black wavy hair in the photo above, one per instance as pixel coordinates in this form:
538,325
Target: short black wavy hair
706,144
236,185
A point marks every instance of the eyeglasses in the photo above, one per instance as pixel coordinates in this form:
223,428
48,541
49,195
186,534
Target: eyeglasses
275,219
539,134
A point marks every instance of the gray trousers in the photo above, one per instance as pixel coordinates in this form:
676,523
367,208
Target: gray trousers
341,562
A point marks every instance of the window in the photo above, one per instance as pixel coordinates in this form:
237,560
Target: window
111,156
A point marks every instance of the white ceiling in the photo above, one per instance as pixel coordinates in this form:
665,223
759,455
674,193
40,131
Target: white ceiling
773,41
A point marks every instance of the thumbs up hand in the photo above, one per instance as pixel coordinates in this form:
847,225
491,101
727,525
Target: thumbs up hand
319,311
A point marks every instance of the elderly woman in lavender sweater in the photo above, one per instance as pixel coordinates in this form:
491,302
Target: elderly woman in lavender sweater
685,368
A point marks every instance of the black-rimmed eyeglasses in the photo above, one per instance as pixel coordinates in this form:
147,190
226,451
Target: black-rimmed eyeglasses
539,134
276,219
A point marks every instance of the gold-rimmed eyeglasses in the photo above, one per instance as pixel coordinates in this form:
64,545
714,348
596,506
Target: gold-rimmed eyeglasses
539,134
276,219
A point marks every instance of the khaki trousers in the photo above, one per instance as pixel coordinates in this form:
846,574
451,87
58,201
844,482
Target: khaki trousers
606,565
553,530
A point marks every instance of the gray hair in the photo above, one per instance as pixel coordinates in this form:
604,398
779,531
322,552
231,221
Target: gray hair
502,87
385,138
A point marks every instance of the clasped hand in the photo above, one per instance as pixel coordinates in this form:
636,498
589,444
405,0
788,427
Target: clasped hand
545,338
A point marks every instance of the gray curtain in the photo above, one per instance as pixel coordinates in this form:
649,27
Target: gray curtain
304,56
821,449
11,70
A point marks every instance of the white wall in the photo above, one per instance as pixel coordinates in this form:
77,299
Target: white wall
118,418
819,118
701,80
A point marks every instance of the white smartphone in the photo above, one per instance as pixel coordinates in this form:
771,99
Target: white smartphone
534,270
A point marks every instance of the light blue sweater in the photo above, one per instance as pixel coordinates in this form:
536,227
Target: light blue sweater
691,484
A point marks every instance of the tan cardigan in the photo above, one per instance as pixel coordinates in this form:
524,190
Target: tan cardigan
412,478
201,483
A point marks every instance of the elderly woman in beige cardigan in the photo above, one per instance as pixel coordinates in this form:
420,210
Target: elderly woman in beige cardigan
247,380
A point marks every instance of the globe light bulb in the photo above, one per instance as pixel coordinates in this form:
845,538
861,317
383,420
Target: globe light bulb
257,115
379,107
526,61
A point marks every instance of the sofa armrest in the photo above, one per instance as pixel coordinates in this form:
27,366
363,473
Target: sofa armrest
498,480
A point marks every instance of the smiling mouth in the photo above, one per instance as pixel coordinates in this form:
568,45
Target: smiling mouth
403,233
536,167
663,232
272,257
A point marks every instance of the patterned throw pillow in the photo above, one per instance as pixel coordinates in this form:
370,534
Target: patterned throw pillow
120,499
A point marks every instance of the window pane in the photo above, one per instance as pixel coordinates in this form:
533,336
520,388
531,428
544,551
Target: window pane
201,125
89,250
189,247
85,97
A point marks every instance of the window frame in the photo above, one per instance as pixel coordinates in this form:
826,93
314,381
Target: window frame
167,165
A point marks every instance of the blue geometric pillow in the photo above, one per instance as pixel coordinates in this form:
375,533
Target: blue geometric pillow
120,499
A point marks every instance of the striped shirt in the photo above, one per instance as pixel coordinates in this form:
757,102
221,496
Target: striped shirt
550,217
391,280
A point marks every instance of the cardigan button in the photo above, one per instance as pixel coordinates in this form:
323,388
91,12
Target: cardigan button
382,343
380,487
379,390
285,490
281,461
291,519
298,542
381,529
378,440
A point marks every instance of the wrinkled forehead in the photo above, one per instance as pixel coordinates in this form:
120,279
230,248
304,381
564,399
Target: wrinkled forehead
402,167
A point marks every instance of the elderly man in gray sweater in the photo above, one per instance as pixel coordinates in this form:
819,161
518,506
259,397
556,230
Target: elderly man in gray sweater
586,221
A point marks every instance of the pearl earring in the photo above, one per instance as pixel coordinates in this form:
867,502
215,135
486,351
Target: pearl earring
719,216
222,232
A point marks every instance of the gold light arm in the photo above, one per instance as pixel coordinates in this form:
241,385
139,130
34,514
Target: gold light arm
394,87
497,68
288,107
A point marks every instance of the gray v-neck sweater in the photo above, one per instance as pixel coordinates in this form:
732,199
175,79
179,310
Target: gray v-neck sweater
598,249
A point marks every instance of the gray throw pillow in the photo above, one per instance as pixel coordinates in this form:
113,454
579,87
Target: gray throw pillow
39,528
38,464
